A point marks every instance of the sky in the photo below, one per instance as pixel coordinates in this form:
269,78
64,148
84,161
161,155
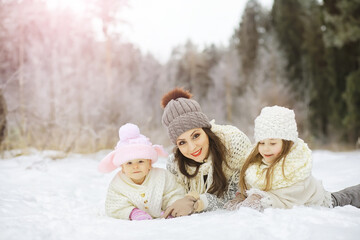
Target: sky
156,26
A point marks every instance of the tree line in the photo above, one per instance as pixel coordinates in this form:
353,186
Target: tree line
68,84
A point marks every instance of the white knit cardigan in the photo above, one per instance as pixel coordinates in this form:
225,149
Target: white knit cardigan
298,187
237,144
158,191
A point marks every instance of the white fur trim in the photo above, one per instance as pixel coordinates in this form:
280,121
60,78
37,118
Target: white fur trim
328,200
203,198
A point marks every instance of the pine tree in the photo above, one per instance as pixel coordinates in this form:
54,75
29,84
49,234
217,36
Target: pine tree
342,38
315,70
192,69
248,37
352,98
287,20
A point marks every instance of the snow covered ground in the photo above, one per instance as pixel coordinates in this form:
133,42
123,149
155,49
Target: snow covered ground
42,197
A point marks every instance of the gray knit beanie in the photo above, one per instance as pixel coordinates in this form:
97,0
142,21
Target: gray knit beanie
182,114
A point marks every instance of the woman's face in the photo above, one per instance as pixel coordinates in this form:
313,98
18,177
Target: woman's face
194,144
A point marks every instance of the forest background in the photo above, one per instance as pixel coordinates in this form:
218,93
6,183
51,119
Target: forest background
68,85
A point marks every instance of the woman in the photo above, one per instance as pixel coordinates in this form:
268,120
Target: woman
207,157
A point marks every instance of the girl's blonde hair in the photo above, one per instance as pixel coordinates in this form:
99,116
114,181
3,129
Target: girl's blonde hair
256,158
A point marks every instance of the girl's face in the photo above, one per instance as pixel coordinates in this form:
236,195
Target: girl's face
270,148
137,169
194,144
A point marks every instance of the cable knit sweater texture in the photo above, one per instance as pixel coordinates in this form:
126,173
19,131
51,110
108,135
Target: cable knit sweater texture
158,191
298,187
237,144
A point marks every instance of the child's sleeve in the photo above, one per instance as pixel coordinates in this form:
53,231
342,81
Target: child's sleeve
309,192
173,190
117,205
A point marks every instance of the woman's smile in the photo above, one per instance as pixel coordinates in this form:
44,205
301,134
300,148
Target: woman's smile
197,153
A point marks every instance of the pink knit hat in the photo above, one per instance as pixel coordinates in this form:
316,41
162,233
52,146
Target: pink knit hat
132,145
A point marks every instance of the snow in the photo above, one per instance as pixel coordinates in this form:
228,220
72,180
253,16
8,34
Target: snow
48,195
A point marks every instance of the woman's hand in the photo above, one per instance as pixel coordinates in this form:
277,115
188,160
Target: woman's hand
181,207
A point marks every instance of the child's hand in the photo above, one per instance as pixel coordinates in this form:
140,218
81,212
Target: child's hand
232,204
137,214
253,201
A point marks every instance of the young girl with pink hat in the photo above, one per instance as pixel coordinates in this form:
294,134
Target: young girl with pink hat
139,191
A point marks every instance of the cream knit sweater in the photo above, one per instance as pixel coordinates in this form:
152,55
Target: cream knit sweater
237,144
298,187
158,191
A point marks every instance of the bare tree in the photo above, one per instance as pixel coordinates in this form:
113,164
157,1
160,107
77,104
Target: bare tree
3,113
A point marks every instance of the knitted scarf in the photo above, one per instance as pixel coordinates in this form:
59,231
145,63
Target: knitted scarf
197,183
298,164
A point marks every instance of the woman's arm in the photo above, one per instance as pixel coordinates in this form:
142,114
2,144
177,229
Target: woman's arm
213,202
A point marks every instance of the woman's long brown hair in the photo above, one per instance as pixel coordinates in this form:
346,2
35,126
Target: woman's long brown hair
219,153
256,158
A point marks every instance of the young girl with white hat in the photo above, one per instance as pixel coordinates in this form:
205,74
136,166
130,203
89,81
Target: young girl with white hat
277,172
139,191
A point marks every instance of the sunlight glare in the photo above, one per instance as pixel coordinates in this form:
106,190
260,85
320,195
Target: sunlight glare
77,6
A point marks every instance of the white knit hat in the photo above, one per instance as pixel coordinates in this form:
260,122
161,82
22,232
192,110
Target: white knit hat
276,122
